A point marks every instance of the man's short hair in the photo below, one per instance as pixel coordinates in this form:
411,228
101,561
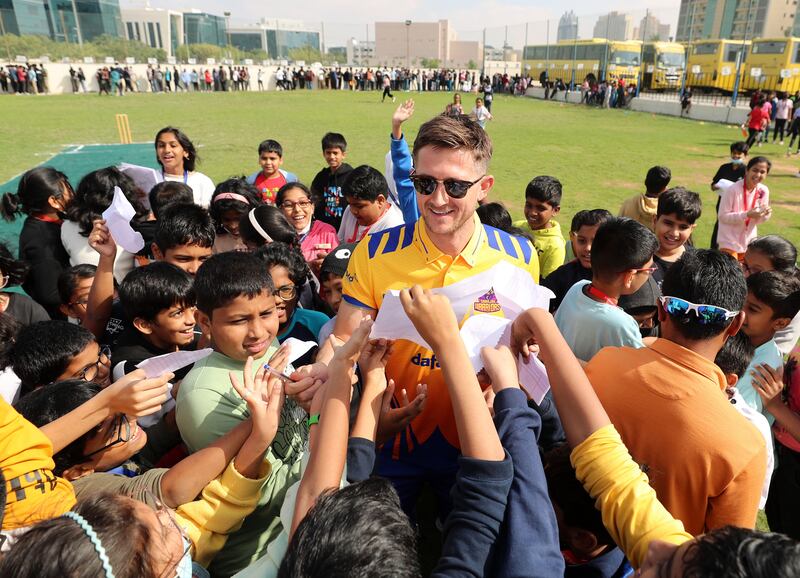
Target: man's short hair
704,277
458,132
686,205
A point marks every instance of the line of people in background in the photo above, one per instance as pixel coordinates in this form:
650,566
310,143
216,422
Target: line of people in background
24,79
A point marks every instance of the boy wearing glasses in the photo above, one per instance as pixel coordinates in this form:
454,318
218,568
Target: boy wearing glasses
667,400
589,316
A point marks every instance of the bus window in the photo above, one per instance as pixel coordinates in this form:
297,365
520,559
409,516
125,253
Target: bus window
625,58
595,51
732,51
706,48
769,47
671,60
796,58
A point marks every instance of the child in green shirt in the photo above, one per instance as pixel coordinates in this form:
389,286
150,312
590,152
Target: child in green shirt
542,203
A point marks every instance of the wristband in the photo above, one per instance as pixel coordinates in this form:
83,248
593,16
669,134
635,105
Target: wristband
313,420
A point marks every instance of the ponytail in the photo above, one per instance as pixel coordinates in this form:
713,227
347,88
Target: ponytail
10,206
35,189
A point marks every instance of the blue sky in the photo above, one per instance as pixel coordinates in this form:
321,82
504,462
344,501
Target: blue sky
346,18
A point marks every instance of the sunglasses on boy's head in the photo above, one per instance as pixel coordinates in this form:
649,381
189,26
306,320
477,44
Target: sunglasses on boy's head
453,187
706,314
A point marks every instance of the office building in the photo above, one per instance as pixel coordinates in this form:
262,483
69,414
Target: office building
155,27
277,38
736,19
24,17
410,43
567,26
360,52
204,28
614,26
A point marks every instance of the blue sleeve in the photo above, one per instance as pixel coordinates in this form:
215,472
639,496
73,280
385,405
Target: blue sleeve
473,526
360,459
401,171
528,544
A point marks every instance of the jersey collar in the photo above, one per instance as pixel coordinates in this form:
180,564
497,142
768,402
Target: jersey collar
432,253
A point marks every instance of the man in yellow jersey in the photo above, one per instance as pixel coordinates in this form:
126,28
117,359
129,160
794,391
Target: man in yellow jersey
447,244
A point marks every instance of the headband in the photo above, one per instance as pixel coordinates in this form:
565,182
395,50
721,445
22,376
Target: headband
259,229
232,197
98,546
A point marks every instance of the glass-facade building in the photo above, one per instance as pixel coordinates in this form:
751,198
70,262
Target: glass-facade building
203,28
70,20
281,42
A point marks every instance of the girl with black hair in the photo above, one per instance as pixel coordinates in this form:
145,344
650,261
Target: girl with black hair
317,238
44,195
20,307
266,224
232,200
177,156
94,195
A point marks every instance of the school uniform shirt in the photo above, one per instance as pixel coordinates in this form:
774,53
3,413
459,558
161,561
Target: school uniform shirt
25,310
550,245
705,461
34,493
81,253
736,229
640,208
351,232
588,325
207,408
562,279
40,246
404,256
767,353
327,187
202,186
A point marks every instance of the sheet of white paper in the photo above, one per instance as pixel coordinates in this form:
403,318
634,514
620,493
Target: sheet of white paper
172,362
297,348
144,177
503,287
118,219
723,184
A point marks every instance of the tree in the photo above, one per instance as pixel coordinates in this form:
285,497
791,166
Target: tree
431,63
472,65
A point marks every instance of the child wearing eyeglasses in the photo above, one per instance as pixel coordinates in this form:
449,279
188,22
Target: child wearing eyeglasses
773,299
589,317
369,210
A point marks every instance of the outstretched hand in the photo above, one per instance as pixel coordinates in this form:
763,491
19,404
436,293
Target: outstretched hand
264,396
136,396
348,352
431,314
404,112
393,420
500,366
100,239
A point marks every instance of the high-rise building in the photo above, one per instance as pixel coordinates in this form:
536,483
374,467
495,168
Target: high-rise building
409,43
204,28
277,38
651,28
736,19
567,26
85,20
156,27
25,17
614,26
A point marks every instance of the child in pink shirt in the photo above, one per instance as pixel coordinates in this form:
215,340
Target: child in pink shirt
742,206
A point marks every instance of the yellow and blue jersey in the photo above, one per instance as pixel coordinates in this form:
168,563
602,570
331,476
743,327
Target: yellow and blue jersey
403,256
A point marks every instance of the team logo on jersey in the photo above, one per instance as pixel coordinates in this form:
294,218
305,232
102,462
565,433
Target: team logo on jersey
487,303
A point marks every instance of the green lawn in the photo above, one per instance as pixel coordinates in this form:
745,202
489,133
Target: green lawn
601,156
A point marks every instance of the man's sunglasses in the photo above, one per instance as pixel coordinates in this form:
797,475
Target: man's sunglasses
453,187
706,314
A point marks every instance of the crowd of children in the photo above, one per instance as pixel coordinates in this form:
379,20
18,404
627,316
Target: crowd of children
212,404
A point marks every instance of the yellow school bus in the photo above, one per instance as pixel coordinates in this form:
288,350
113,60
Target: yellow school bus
712,63
773,64
664,63
574,60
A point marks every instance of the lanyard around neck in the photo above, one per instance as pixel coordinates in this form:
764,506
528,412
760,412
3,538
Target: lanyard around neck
600,296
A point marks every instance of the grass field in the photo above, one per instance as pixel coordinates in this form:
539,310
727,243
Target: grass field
601,156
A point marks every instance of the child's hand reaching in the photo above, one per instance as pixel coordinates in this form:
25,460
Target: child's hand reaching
264,396
374,357
769,385
100,240
394,420
501,367
402,114
431,314
347,353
